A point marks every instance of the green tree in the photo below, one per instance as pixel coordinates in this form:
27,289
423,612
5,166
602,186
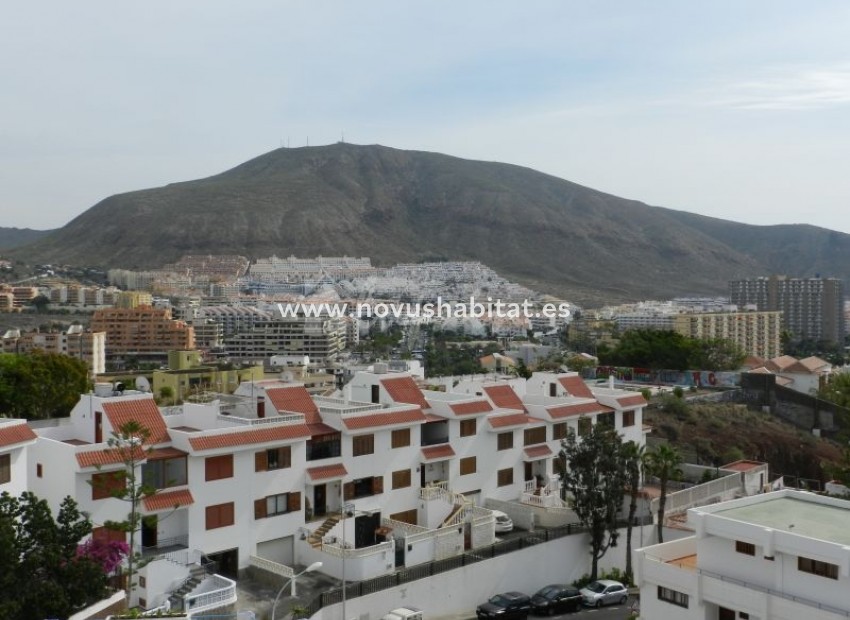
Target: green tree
837,389
652,348
41,385
634,457
663,462
595,481
42,575
522,370
716,354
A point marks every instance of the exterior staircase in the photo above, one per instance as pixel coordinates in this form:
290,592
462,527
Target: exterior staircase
315,539
196,575
457,513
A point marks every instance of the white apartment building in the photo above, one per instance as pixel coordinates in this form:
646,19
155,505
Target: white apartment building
781,556
15,437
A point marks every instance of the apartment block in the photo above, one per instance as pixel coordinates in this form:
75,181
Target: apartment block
783,555
143,332
756,333
320,338
812,308
87,346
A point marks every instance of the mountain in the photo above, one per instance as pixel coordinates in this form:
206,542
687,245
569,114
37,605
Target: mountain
16,237
402,206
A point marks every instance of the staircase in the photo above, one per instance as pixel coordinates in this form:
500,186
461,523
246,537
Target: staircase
315,539
196,576
456,515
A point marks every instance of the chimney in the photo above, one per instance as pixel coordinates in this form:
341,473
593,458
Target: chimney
261,406
611,381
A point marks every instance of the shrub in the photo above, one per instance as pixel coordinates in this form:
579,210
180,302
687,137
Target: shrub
678,392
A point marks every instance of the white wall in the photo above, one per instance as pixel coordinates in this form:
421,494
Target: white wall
161,577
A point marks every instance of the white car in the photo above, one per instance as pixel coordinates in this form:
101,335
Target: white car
604,592
503,522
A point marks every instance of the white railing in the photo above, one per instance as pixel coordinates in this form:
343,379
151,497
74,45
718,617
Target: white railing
271,566
530,486
224,594
179,557
542,501
274,419
336,549
169,411
699,494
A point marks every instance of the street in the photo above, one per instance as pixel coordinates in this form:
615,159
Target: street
614,612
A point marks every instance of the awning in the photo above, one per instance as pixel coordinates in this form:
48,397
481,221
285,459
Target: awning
327,472
535,453
437,453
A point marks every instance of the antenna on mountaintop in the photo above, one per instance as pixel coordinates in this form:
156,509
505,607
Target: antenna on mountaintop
343,137
308,140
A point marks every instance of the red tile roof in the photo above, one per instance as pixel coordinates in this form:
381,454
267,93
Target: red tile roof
503,396
168,500
326,472
514,419
164,453
108,456
437,453
297,399
537,452
566,411
433,417
575,386
266,434
632,401
404,390
320,429
144,411
478,406
742,465
11,434
384,419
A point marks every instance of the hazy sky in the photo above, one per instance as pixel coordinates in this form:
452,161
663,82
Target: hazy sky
732,109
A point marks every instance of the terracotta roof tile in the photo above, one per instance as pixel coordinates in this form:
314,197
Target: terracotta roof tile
575,386
515,419
433,417
326,472
438,453
632,401
141,410
404,390
164,453
504,397
383,419
538,452
478,406
11,434
108,456
743,465
297,399
320,429
566,411
168,500
266,434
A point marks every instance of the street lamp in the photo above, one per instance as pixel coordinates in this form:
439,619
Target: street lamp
309,569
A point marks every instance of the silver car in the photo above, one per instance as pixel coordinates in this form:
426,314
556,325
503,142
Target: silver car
604,592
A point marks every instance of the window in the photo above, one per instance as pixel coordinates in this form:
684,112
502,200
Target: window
220,515
671,596
505,441
534,435
279,504
164,473
629,418
467,428
406,516
276,458
376,393
107,484
5,468
584,426
745,547
467,465
39,471
559,430
815,567
363,487
143,583
219,467
606,418
504,477
324,446
401,479
363,444
108,535
401,438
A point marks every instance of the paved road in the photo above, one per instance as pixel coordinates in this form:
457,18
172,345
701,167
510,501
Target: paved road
615,612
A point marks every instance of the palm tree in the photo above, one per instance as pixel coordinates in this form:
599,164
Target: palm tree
634,462
663,462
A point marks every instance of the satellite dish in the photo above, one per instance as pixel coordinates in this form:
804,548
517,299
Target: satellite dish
142,384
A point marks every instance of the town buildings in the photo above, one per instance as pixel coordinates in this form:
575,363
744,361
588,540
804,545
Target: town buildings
87,346
783,555
142,332
755,333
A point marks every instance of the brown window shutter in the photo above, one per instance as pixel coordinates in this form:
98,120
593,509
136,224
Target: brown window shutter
286,456
229,513
348,490
377,485
260,508
294,502
261,461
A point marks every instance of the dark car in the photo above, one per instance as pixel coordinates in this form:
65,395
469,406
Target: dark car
556,599
505,606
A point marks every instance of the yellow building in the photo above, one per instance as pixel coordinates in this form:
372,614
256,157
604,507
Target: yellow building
756,333
134,299
186,375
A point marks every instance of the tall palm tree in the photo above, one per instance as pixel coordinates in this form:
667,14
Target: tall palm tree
663,462
634,460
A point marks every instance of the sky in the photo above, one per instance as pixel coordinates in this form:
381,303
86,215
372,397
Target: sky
730,109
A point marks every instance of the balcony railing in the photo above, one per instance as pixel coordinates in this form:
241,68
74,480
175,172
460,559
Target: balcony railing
338,550
223,594
275,419
273,567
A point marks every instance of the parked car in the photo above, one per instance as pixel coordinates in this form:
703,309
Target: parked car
507,606
404,613
604,592
503,522
556,599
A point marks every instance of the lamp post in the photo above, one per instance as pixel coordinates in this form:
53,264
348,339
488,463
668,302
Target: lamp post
347,511
309,569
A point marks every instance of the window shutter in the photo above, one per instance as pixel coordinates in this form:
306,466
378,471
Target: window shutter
261,461
377,485
260,508
348,490
295,502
